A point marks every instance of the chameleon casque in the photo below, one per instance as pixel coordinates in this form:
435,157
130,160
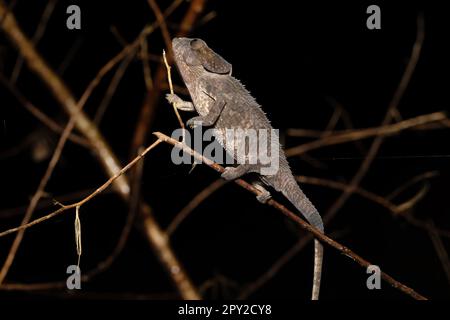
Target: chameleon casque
222,102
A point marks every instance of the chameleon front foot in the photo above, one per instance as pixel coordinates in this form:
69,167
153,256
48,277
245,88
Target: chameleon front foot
179,103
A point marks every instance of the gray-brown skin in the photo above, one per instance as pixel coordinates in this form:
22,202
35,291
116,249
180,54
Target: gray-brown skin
223,103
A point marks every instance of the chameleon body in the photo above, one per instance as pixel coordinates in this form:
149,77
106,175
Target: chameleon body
223,103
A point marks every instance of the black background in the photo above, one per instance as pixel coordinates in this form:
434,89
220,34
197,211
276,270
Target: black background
294,58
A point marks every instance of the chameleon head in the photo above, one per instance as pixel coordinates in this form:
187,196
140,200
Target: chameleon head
196,56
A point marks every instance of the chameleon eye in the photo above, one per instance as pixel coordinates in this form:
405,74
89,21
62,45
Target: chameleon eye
196,44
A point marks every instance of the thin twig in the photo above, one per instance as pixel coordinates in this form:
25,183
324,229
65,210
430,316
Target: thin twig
418,178
310,133
169,78
354,135
47,202
85,199
394,208
105,263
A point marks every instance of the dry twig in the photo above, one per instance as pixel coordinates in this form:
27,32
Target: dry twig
354,135
85,199
304,225
169,78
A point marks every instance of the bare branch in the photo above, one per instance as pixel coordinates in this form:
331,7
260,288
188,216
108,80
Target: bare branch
294,217
354,135
85,199
394,208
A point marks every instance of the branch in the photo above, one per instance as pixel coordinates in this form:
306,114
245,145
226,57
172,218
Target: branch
294,217
85,199
385,202
395,209
354,135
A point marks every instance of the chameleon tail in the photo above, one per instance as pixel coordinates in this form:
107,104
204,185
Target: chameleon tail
296,196
318,260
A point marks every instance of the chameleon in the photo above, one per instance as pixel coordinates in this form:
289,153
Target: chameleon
223,103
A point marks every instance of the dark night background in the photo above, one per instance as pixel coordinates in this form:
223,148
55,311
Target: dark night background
294,59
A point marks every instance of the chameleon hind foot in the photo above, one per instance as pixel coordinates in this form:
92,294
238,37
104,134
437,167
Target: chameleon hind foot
264,196
232,173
